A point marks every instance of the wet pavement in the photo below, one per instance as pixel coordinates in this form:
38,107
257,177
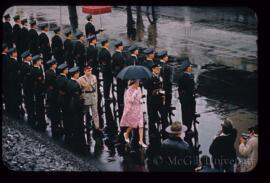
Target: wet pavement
210,46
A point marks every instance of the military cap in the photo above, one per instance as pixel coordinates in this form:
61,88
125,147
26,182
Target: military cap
11,50
56,29
51,62
62,67
149,51
26,54
118,43
89,17
74,70
133,48
6,16
36,58
23,21
162,53
4,45
78,34
33,22
88,66
253,128
155,65
67,32
43,25
16,17
104,40
92,37
186,63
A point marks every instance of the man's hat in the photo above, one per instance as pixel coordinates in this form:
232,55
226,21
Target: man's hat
253,128
26,54
43,25
56,29
91,38
89,17
51,62
87,67
227,123
4,46
118,43
186,63
176,128
155,65
67,32
33,22
24,20
74,70
6,16
36,58
104,40
16,17
11,50
78,34
133,48
162,53
62,67
149,51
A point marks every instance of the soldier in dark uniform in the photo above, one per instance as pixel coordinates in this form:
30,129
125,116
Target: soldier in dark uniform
150,55
68,48
76,109
186,88
90,28
118,63
13,84
134,53
27,87
166,75
25,35
33,43
7,31
156,102
92,54
57,46
17,35
106,69
53,111
63,100
5,59
38,86
44,44
79,51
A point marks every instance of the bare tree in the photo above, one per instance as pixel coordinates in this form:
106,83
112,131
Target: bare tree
140,26
73,17
131,30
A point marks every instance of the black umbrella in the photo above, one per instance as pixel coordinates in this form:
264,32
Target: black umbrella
134,72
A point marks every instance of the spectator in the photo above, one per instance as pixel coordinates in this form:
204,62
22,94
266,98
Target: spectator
248,148
222,148
175,151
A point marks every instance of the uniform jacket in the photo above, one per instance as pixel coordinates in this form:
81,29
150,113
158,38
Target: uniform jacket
79,53
7,34
91,86
25,39
58,48
33,43
91,56
90,29
118,62
44,45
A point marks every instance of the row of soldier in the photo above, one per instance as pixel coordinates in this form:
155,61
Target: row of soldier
62,93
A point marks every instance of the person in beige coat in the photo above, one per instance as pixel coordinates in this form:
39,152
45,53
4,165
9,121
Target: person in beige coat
248,148
88,83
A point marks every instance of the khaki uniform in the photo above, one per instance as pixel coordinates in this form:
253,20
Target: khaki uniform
89,94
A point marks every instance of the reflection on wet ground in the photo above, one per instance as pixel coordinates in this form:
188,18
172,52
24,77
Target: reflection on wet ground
223,55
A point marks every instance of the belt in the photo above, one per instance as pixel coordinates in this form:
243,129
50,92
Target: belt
61,92
88,91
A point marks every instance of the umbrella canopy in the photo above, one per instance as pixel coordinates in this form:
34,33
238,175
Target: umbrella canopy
97,10
134,72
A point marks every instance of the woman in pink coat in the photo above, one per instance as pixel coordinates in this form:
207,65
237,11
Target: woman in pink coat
133,116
